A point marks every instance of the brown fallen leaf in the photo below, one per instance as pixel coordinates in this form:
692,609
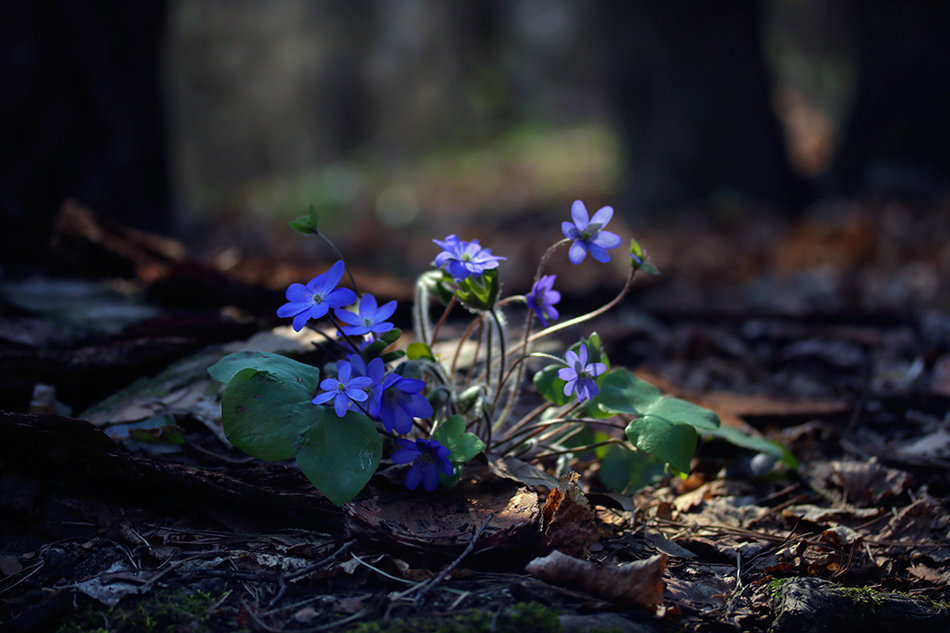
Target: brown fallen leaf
636,584
569,522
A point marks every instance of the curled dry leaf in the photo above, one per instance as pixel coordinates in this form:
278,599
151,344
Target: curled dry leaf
569,523
635,584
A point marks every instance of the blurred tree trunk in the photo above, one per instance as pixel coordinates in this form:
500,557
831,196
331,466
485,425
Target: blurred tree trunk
896,139
693,98
81,111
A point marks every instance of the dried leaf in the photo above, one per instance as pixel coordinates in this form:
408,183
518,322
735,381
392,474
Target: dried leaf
522,472
638,583
569,523
867,483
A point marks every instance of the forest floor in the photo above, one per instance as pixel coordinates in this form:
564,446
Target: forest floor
829,334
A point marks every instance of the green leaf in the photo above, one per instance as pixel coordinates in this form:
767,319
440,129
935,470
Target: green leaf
638,261
339,455
650,269
306,224
623,392
281,366
265,415
462,445
759,444
479,292
379,346
392,335
676,410
674,443
418,350
550,386
625,471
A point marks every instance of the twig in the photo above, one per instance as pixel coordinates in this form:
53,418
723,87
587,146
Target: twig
424,589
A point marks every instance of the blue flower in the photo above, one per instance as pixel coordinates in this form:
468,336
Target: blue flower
397,400
589,236
343,389
464,258
580,375
428,458
316,298
369,319
542,298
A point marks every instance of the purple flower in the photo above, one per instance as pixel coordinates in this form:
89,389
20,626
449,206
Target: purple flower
580,375
428,457
542,298
316,298
589,236
464,258
374,370
397,400
369,319
343,389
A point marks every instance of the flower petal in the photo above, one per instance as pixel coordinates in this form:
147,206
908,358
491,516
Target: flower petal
607,240
291,309
577,253
414,477
598,253
340,405
301,320
570,231
579,213
367,306
430,477
405,455
323,397
386,310
603,215
298,293
340,297
333,276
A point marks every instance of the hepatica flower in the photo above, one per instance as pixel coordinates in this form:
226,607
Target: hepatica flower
370,318
397,400
580,374
588,235
428,458
343,389
542,298
314,300
462,259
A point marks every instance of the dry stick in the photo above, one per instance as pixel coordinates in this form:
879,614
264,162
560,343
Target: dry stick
424,589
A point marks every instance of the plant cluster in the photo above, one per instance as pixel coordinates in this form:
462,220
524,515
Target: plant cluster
434,412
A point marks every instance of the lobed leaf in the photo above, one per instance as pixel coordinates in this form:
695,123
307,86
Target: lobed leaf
462,445
339,455
264,414
672,442
281,366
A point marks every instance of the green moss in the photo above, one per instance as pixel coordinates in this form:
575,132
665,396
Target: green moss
774,586
156,612
868,600
521,618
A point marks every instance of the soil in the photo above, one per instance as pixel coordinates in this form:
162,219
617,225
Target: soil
829,334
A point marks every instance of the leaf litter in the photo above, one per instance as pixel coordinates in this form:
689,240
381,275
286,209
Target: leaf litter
858,396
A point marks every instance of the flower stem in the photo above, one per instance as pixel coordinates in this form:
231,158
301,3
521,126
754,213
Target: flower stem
584,317
340,256
445,314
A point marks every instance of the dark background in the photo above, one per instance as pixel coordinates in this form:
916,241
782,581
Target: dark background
215,122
